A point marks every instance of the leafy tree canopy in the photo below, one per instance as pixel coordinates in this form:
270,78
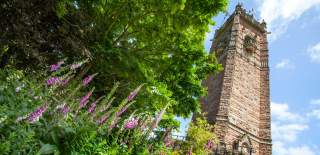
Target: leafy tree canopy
159,43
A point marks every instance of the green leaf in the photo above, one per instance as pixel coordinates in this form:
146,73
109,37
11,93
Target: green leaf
48,149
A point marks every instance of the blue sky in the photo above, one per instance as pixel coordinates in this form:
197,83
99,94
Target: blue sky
294,49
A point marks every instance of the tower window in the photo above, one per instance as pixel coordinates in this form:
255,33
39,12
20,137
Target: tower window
249,45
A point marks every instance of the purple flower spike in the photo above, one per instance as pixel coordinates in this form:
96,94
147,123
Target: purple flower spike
53,81
113,123
54,67
209,145
85,100
93,105
87,80
134,93
103,119
122,110
65,110
131,124
34,116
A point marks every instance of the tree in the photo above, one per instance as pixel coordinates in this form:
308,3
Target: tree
160,43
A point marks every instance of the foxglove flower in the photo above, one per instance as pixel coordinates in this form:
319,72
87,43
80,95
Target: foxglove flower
93,105
85,100
34,116
103,118
131,124
54,67
87,80
209,145
134,93
65,110
77,65
53,81
65,81
158,118
113,123
122,110
168,143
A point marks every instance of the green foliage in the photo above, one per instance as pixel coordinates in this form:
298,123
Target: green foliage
199,133
160,43
76,131
156,43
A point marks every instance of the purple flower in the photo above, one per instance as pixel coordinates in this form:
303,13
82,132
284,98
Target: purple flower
123,109
113,123
34,116
53,81
209,145
168,143
54,67
134,93
131,124
103,118
65,110
65,81
158,118
93,105
88,79
85,100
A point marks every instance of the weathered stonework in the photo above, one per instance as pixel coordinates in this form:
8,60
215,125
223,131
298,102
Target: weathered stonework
238,101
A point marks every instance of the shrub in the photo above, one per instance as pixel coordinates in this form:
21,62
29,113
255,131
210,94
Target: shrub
57,112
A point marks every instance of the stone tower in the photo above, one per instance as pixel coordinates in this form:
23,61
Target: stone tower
238,101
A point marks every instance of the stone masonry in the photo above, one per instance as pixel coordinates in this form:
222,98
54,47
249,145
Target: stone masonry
238,101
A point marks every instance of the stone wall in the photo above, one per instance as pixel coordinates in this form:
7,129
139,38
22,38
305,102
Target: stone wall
238,100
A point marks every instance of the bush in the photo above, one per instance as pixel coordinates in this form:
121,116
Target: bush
200,136
52,116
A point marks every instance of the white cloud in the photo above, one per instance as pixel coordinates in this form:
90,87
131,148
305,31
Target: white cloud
286,127
280,149
279,13
315,101
316,110
314,53
285,64
280,112
314,113
287,132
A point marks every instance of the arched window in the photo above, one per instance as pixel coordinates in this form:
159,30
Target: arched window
249,45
